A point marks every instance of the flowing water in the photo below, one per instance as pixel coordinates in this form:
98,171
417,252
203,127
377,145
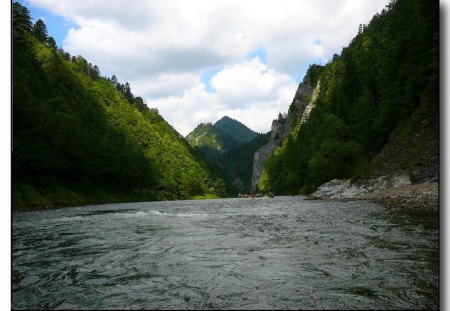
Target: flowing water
264,253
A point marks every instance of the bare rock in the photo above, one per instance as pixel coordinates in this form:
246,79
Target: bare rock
345,189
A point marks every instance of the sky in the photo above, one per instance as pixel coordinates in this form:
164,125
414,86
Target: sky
197,61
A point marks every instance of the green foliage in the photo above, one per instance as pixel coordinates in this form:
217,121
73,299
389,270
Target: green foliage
235,129
389,71
224,135
238,165
40,31
74,130
207,135
313,73
234,166
228,147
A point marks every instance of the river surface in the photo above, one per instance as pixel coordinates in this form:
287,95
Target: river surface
279,253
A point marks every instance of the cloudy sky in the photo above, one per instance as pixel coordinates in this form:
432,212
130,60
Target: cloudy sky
197,61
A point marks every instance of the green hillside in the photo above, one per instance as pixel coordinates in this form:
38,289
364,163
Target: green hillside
222,136
228,147
208,135
235,129
377,110
82,138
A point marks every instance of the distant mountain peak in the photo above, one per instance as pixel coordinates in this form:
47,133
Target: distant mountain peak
227,133
235,129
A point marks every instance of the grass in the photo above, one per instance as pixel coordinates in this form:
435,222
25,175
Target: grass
205,196
26,198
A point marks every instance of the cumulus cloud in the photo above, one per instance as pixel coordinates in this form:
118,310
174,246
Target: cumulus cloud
247,91
163,48
245,83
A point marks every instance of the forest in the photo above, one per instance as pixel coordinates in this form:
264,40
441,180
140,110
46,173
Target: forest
378,106
80,137
228,148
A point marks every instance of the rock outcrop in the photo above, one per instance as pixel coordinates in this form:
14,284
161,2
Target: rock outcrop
345,189
423,196
282,127
391,191
276,138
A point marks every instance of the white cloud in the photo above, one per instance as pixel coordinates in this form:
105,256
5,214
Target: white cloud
165,85
247,91
163,47
245,83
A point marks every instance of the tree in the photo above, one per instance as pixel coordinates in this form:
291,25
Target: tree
51,43
127,92
40,31
21,18
21,28
114,80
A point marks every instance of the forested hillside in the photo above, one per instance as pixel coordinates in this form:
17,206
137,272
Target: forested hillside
377,110
228,147
222,136
240,133
80,138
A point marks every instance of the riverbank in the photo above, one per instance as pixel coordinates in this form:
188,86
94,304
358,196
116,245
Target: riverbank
389,190
28,198
423,196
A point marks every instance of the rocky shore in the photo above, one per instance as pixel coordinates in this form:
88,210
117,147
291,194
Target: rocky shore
392,191
424,196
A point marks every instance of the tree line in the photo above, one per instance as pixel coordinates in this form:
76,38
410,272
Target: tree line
389,70
76,130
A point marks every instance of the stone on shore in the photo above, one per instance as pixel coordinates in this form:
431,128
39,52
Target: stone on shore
345,189
424,195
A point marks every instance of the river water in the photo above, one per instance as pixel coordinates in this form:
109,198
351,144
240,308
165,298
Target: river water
264,253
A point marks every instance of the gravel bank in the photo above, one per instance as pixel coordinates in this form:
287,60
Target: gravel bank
424,195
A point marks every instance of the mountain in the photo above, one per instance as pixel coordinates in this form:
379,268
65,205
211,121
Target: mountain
238,165
228,147
82,138
235,129
221,136
373,112
284,125
209,136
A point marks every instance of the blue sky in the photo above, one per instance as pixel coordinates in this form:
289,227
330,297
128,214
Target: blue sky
57,26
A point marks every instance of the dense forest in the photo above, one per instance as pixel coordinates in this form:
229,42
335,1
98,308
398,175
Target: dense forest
228,147
377,110
79,137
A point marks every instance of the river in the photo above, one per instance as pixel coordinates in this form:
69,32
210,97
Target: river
263,253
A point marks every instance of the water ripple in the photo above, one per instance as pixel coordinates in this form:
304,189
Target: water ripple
282,253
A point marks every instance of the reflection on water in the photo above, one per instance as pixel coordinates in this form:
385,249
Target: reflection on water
282,253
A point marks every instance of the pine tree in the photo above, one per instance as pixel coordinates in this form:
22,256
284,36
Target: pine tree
40,31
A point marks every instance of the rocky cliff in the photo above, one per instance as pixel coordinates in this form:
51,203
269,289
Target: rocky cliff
283,126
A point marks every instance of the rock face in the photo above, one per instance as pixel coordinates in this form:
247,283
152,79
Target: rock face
423,196
282,127
260,157
344,189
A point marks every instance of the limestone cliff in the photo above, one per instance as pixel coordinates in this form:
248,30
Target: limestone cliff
283,126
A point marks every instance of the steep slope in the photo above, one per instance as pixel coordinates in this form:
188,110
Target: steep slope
235,129
209,136
80,138
283,126
377,110
238,165
228,147
221,136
